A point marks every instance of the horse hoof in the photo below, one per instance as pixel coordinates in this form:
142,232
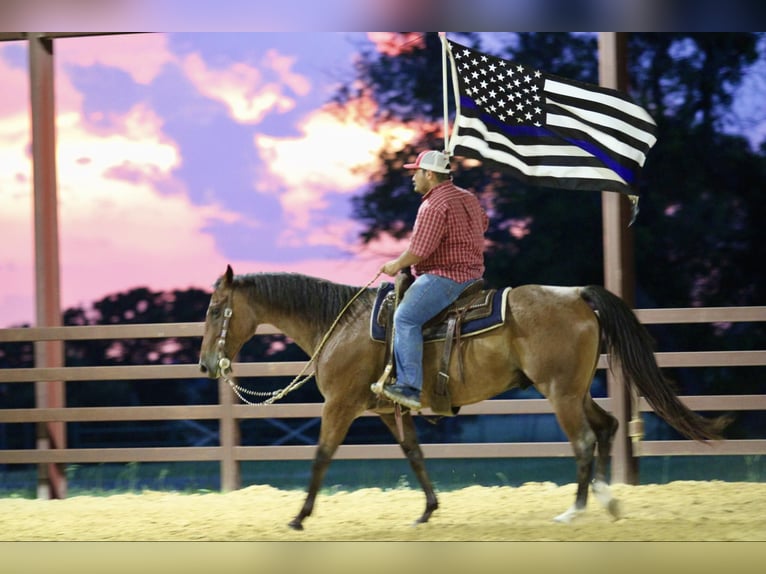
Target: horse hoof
568,516
614,509
296,524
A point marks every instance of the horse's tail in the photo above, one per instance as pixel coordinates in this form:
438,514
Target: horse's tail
627,340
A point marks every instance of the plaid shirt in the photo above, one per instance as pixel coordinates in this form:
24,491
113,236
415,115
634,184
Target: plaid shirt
449,234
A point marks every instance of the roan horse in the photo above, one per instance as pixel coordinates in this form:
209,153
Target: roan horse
551,339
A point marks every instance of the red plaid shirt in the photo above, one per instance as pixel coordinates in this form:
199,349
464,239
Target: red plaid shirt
449,234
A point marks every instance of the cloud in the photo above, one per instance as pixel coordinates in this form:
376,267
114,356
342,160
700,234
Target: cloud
115,226
137,142
142,56
116,231
126,219
15,100
244,89
336,152
16,247
394,44
358,267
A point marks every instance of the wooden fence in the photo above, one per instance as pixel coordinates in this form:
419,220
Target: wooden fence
229,412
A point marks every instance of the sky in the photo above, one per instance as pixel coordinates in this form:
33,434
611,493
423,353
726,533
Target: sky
180,153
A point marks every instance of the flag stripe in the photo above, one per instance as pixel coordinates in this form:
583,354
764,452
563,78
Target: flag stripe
619,104
636,123
575,143
534,149
548,177
605,120
503,154
609,142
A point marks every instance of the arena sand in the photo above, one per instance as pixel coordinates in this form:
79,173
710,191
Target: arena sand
678,511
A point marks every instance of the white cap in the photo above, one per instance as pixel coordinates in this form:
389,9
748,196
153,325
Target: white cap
430,160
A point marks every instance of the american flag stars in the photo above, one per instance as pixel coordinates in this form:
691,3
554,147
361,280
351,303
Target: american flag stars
512,93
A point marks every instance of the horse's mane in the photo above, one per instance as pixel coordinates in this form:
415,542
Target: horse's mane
318,300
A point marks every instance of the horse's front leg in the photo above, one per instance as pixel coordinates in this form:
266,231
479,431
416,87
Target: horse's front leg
322,460
411,448
334,427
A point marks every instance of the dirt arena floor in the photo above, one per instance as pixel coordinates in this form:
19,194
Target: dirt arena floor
678,511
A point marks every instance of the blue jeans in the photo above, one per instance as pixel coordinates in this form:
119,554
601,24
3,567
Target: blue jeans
424,299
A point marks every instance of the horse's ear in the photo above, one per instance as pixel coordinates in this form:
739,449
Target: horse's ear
229,275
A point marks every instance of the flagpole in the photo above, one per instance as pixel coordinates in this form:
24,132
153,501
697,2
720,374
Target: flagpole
456,92
443,36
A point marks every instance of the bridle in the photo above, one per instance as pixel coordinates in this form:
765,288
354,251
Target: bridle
224,370
224,363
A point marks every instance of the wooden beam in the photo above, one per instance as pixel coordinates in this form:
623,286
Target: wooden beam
48,354
229,434
618,262
95,332
143,372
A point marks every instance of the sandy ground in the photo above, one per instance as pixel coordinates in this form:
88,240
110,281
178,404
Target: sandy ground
679,511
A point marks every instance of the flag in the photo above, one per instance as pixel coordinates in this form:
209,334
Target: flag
547,130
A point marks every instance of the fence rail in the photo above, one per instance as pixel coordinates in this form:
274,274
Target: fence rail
230,453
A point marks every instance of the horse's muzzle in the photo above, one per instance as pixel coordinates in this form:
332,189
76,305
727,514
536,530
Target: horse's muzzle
205,370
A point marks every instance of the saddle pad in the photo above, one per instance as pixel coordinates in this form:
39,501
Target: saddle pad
470,327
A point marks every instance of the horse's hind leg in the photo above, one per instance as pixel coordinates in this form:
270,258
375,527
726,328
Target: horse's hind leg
571,416
411,448
605,427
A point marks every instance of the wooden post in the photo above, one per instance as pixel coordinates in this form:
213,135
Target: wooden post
619,276
51,480
229,434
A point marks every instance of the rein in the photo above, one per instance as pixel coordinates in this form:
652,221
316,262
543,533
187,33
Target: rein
224,363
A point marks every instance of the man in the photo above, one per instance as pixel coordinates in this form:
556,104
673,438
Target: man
446,252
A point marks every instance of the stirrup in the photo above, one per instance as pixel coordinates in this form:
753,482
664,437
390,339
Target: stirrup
385,379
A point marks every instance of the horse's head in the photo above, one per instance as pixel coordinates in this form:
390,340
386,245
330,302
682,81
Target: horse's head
229,322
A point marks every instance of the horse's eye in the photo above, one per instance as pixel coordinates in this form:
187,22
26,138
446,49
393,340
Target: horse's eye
214,312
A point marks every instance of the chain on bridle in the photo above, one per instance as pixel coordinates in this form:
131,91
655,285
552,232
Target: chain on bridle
224,370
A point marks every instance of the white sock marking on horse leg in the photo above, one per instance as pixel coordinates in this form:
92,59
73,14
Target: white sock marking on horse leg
604,495
569,515
603,492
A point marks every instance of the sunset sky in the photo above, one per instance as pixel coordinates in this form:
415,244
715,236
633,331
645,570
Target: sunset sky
180,153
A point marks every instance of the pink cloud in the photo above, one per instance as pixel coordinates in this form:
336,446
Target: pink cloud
359,268
16,247
336,152
118,232
282,65
115,233
141,55
394,44
243,88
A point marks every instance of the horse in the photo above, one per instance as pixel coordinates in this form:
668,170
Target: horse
551,338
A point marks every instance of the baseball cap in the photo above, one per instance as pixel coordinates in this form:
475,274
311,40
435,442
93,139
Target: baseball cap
430,160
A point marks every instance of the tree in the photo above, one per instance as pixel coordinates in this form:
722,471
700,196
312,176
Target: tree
698,228
531,228
699,236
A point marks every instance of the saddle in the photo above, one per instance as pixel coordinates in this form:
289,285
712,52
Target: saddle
475,311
